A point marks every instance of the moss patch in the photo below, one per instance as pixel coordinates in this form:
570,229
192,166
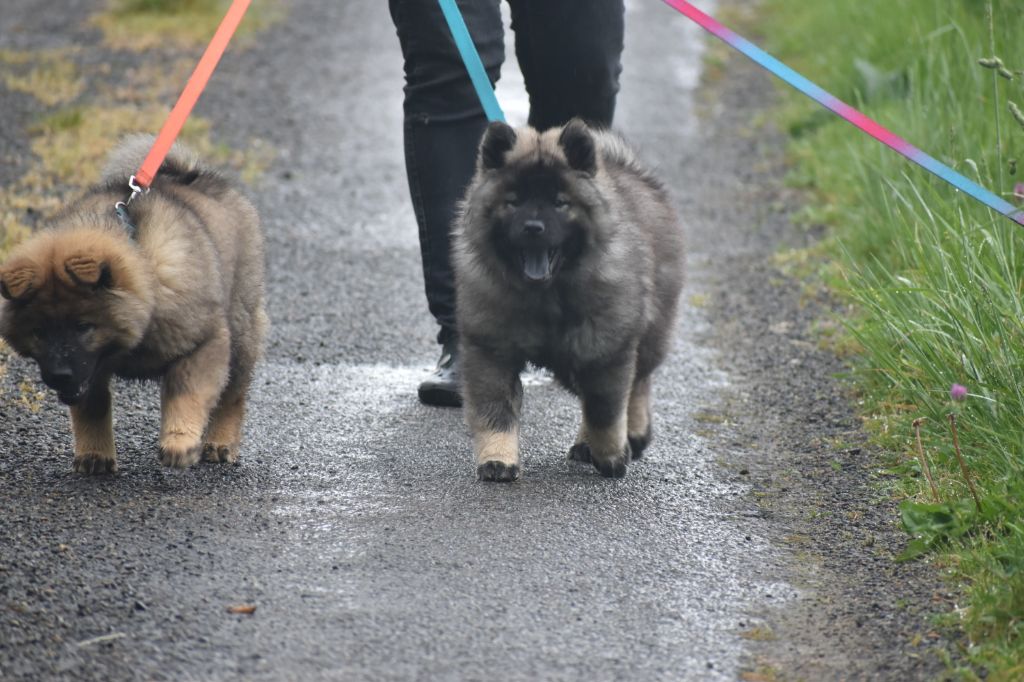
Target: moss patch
48,75
141,25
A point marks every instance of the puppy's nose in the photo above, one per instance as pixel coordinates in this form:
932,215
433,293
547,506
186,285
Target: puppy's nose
58,377
533,227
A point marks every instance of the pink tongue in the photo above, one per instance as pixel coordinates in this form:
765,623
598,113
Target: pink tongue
536,264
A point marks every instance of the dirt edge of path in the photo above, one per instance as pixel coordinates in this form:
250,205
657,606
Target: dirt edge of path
791,431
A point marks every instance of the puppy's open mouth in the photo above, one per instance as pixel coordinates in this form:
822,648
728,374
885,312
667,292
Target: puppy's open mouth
70,396
539,264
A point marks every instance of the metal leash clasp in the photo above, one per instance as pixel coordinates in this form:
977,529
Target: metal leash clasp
136,189
121,207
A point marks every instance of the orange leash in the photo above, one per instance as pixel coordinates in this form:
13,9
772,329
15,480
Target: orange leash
193,89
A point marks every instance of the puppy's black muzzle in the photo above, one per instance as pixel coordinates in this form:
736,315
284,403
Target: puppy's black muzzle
66,367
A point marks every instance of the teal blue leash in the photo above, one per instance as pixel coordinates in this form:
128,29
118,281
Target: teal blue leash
471,58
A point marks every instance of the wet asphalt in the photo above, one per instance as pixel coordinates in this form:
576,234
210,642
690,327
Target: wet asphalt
354,524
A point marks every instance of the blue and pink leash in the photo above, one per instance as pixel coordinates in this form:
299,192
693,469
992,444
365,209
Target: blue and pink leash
848,113
493,111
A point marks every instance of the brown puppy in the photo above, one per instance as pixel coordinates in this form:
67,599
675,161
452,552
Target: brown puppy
180,301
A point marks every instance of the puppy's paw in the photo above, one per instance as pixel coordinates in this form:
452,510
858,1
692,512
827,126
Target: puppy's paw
95,463
179,451
610,467
219,453
497,471
639,443
580,452
614,466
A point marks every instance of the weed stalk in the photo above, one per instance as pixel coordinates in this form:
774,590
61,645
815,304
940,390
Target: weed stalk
960,458
995,92
924,461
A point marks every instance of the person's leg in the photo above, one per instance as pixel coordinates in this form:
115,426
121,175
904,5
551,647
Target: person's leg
570,55
443,125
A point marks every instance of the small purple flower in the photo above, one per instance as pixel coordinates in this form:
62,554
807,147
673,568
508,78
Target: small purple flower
958,392
1018,191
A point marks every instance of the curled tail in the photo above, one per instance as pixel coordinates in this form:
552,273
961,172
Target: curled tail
126,158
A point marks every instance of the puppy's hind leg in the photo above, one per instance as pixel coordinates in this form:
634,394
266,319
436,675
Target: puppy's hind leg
224,434
639,416
190,389
92,425
580,450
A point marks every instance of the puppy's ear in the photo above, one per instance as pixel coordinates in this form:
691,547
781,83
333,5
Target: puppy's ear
87,271
578,145
20,280
499,138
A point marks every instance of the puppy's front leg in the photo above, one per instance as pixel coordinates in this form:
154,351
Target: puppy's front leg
93,429
493,396
190,389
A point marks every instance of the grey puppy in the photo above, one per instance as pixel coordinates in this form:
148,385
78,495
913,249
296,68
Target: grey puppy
569,256
180,301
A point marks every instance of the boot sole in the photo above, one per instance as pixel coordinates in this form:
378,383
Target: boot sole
439,397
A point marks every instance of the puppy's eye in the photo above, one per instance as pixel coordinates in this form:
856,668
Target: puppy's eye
83,327
511,200
562,203
34,342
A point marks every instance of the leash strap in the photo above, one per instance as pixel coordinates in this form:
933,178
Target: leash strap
848,113
471,58
193,89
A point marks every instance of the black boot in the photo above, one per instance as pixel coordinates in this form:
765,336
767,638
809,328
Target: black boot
442,388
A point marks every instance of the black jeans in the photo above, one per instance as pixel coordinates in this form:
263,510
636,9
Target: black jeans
569,52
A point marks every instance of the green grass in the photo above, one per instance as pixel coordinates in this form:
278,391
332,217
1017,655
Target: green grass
937,280
167,6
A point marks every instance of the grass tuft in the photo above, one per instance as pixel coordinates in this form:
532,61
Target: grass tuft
50,75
